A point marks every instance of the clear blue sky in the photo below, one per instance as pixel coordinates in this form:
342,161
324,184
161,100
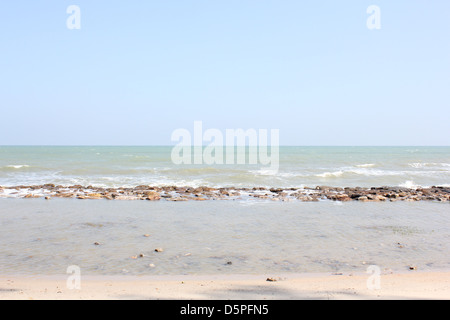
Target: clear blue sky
137,70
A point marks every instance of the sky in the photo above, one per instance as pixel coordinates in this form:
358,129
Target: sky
135,71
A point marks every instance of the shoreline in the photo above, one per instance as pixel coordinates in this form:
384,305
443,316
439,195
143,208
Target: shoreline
341,286
173,193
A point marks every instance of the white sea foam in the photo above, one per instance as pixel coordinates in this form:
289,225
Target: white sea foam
18,166
418,165
365,165
409,184
374,172
330,174
265,172
363,172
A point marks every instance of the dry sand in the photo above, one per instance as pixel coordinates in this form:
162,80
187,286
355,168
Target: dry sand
412,285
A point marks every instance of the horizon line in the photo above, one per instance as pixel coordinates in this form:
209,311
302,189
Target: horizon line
164,145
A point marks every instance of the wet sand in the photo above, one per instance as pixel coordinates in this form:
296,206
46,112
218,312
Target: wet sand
345,286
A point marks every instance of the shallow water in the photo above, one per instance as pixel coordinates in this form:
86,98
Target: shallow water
45,237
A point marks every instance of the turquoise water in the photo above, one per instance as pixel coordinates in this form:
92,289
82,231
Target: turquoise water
298,166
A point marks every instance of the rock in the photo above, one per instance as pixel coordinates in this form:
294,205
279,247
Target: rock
363,198
47,198
229,263
159,250
29,196
146,235
412,268
152,195
339,197
323,188
125,197
166,195
379,198
391,195
224,192
96,243
64,195
177,199
142,187
271,279
260,196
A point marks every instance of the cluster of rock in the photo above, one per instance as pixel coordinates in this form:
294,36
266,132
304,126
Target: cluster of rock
173,193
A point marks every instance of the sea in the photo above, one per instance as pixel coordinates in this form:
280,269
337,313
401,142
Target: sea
297,166
104,237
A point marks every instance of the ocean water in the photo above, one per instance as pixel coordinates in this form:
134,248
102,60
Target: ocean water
298,166
217,237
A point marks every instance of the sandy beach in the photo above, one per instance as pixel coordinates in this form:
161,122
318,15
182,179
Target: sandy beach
345,286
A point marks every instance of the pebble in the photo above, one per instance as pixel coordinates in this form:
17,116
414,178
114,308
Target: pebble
159,250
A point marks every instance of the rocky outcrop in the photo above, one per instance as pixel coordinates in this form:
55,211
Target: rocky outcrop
173,193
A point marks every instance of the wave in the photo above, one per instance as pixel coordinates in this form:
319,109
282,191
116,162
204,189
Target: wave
330,174
361,171
365,165
273,172
409,184
418,165
17,166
